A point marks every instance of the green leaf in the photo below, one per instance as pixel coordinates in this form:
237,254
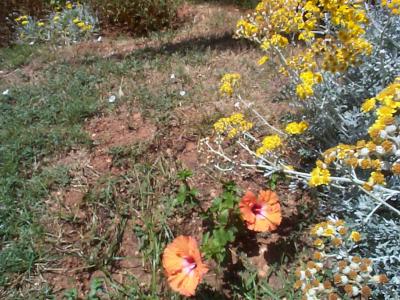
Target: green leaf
184,174
223,217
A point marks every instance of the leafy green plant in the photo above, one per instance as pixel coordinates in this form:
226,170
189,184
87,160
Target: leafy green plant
222,213
96,286
273,180
71,294
185,193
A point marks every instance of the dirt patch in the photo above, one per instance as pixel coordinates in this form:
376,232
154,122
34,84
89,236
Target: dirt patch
189,156
28,73
131,262
120,129
66,277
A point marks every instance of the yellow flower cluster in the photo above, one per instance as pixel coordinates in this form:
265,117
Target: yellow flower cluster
334,232
21,19
269,143
366,156
275,40
393,5
319,176
296,127
263,60
247,28
228,82
232,125
327,275
380,155
273,20
24,20
82,25
308,79
386,104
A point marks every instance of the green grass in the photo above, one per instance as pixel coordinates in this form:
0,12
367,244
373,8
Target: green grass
16,56
37,121
42,119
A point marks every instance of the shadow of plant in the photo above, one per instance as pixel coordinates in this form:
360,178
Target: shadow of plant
198,44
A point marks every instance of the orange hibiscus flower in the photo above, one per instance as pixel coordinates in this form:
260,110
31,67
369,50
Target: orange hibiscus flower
262,213
183,265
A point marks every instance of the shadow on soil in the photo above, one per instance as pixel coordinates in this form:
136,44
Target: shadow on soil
248,4
213,42
206,292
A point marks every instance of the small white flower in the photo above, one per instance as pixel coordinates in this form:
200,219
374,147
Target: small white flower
237,104
182,93
112,99
302,275
346,270
359,278
99,39
379,279
344,279
32,43
365,275
383,134
321,287
172,76
311,292
320,231
6,92
380,150
313,271
355,290
354,266
364,151
390,129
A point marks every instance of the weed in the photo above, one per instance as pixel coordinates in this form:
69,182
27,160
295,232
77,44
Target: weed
185,195
71,294
129,155
223,214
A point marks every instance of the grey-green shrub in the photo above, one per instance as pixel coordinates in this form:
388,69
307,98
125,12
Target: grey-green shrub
66,25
